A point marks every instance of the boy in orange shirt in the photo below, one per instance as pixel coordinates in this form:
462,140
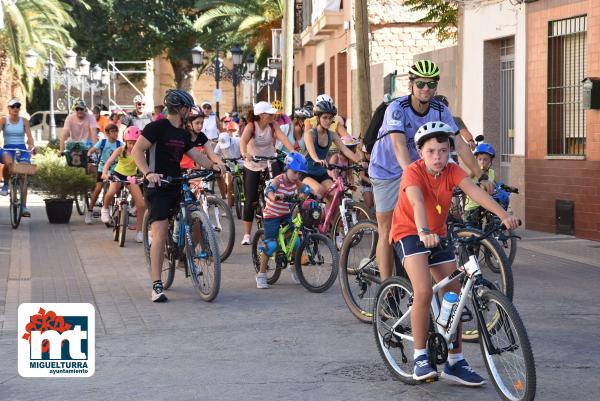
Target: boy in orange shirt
420,215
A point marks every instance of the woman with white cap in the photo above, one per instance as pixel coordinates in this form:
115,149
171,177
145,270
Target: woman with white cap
258,139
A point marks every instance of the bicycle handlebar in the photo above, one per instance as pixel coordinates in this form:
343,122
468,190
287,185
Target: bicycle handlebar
203,174
354,167
446,242
266,158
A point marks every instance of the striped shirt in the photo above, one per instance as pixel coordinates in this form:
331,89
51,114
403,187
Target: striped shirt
283,187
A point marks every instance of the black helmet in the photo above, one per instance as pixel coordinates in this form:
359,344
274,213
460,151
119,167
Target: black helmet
176,98
308,105
324,107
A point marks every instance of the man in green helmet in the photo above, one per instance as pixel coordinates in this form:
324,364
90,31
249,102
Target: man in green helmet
395,149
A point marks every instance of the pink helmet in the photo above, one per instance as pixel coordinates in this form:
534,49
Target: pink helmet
131,133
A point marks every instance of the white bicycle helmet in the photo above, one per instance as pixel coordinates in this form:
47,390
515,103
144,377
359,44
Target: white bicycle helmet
324,98
433,129
138,99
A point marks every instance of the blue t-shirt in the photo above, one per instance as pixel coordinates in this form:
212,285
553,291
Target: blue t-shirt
108,150
400,117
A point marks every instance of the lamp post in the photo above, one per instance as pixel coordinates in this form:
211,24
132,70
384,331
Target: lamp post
30,62
70,65
95,77
251,67
84,72
236,54
219,71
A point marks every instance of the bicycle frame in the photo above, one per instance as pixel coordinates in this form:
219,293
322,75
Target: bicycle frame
472,270
288,248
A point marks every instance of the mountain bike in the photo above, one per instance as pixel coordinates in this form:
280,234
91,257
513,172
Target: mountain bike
217,211
77,157
239,195
120,214
191,242
314,255
359,274
15,185
265,176
504,342
343,212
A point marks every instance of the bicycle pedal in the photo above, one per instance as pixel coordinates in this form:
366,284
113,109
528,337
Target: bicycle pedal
431,379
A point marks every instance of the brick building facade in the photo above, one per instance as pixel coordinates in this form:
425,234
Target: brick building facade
562,162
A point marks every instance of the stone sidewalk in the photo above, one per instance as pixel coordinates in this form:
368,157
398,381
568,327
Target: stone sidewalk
284,343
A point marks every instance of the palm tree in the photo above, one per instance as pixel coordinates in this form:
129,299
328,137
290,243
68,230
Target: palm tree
248,21
37,24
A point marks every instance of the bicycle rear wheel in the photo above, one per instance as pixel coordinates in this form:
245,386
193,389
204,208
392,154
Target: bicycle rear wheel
358,211
221,219
238,193
123,224
203,257
273,271
359,276
80,203
505,347
394,299
320,267
116,223
16,196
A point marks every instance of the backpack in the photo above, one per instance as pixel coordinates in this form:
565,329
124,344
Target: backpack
376,121
103,144
372,131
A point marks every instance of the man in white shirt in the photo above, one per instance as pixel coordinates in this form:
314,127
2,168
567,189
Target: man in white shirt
210,127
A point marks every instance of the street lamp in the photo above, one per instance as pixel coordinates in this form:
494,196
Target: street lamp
70,65
84,71
198,60
236,54
30,62
197,56
95,78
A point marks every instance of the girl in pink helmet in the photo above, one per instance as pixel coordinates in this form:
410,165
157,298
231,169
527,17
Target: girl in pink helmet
126,167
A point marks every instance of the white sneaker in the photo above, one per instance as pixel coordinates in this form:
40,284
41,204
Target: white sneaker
246,240
105,215
139,237
261,281
295,278
88,217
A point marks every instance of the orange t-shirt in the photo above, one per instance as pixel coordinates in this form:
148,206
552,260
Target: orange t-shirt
436,191
102,121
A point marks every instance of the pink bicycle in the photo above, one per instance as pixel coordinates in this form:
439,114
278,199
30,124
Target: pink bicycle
343,212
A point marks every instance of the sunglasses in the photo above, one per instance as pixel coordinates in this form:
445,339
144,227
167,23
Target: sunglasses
15,106
79,109
430,84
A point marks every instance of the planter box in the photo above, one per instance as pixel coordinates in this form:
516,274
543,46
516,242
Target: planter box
59,210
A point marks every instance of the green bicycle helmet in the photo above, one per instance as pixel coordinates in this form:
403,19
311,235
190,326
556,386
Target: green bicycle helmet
424,69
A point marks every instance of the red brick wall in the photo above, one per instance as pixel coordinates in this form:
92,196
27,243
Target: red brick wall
548,180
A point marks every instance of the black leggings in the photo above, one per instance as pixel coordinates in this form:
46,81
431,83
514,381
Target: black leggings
252,180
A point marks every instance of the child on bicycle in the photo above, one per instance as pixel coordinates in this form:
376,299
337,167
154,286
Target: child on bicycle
276,210
484,154
105,147
420,216
125,167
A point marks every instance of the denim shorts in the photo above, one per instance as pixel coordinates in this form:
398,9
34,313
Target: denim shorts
385,193
408,246
271,226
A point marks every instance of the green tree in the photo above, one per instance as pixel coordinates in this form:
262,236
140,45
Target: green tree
243,21
137,30
38,24
442,13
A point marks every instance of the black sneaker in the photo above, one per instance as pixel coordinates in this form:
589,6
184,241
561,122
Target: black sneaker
158,294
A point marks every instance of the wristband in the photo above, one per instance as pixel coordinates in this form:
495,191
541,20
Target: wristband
149,172
425,231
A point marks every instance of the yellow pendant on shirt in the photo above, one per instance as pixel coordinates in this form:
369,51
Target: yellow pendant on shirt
438,208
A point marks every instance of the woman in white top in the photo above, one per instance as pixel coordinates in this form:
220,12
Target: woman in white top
258,139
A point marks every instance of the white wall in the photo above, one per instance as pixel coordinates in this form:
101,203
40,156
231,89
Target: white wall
488,23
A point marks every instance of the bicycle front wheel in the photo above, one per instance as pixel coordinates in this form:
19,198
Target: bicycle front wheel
221,219
316,262
505,347
359,276
16,196
358,211
80,203
116,224
273,271
394,299
203,257
123,224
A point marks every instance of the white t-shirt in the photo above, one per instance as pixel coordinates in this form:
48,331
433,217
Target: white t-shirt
209,127
233,151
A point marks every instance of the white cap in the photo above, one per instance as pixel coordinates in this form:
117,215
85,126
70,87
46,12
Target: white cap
264,107
13,101
204,103
224,140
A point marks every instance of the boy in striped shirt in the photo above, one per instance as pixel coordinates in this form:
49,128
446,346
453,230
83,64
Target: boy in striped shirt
276,210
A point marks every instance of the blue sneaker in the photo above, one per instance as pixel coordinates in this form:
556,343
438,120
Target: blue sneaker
423,369
4,191
462,373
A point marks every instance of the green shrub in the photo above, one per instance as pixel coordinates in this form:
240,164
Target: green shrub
54,179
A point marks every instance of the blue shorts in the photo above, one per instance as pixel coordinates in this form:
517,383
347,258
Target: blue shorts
408,246
10,150
271,226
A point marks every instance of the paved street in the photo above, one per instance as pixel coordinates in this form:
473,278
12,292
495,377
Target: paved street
283,343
